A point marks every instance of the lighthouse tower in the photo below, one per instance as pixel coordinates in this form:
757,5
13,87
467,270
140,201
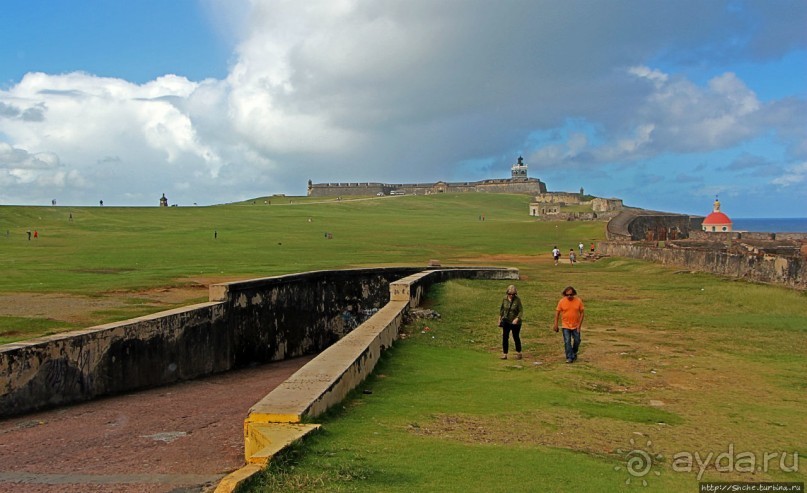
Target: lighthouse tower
519,170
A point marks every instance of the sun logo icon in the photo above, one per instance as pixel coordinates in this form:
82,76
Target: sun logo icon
639,462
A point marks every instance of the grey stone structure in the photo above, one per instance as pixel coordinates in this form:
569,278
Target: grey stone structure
519,182
639,224
787,267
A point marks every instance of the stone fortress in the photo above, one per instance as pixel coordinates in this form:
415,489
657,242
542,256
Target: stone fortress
664,237
545,205
708,244
548,206
518,182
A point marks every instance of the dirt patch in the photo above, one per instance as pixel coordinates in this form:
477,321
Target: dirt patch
79,311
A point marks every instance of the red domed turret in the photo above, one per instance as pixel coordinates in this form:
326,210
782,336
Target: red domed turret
716,221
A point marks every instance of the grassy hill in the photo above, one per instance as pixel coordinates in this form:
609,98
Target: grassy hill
118,263
673,366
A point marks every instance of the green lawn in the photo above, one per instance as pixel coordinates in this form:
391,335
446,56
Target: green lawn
672,364
106,254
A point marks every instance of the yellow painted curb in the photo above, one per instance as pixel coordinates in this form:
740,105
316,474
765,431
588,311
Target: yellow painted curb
232,481
266,440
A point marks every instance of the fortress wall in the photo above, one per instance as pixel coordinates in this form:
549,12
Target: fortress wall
606,205
787,271
659,226
558,198
699,234
531,186
346,189
244,323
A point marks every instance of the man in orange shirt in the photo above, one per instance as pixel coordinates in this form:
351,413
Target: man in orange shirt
570,312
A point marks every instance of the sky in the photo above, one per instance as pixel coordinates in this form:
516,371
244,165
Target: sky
664,104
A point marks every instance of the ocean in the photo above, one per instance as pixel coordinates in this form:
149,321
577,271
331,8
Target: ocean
770,225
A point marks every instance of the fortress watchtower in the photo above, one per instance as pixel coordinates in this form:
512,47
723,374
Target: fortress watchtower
519,170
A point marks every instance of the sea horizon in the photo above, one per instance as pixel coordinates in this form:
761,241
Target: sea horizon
770,224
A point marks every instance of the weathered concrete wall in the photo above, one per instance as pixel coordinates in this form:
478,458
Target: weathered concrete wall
279,317
788,271
244,323
108,359
275,422
747,235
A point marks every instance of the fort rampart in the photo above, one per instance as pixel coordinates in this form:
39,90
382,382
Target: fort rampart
244,323
505,185
789,271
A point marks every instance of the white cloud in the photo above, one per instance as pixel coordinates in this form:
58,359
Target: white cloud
400,90
656,76
795,175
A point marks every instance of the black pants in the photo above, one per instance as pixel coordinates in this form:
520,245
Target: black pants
507,327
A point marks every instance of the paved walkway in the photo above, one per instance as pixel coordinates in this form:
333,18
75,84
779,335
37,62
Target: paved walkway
178,439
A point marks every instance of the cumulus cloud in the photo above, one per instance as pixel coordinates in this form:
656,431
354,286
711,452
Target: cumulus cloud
794,175
13,158
404,90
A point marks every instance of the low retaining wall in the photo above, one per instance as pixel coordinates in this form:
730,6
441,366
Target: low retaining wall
275,421
244,323
788,271
747,235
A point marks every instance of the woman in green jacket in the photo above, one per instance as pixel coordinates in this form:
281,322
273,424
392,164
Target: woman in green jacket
510,314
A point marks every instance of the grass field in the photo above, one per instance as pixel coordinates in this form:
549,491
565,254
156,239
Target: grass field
701,377
109,264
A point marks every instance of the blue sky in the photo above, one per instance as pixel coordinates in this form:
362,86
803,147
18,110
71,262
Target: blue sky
136,41
662,104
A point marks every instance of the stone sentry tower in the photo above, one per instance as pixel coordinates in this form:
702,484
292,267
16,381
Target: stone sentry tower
519,170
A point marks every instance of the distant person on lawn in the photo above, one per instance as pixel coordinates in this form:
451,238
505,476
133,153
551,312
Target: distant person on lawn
510,314
570,312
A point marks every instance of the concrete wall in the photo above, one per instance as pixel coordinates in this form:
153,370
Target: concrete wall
788,271
247,322
276,421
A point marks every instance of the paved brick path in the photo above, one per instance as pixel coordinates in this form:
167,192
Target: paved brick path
179,439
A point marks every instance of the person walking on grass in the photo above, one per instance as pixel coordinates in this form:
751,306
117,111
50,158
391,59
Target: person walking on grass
556,254
510,314
570,312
